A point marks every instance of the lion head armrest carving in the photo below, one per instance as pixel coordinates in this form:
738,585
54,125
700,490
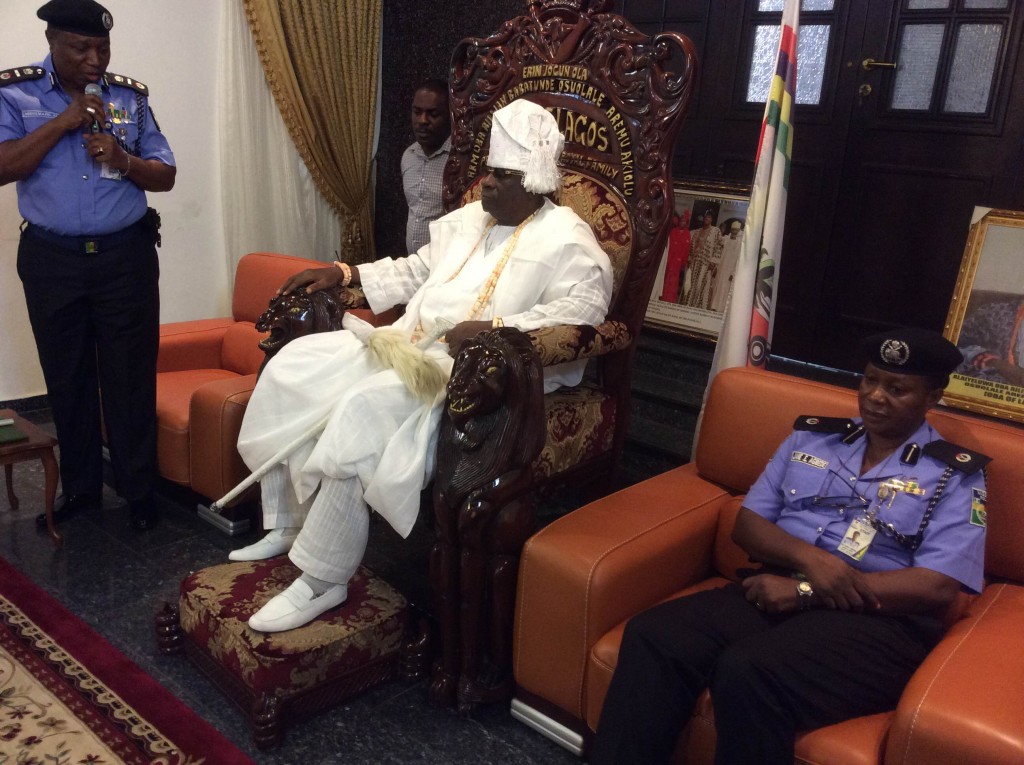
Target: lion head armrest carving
556,345
297,313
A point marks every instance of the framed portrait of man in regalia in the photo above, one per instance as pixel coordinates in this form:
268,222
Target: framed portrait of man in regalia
695,276
986,317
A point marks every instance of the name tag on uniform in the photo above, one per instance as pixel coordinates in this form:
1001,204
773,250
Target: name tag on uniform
809,459
857,539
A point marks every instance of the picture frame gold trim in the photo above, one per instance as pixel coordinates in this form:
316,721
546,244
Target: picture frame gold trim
729,202
986,318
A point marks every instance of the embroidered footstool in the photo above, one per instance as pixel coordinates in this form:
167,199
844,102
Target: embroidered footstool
278,678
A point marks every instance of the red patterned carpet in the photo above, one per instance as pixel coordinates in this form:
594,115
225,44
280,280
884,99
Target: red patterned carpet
68,696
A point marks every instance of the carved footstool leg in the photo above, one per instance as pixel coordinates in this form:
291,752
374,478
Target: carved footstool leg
169,637
266,723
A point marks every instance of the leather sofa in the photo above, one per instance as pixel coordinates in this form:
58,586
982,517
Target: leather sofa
206,371
583,576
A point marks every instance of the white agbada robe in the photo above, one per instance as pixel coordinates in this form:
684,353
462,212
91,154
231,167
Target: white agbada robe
376,429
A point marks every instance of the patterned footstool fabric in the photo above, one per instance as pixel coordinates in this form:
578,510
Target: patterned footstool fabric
216,603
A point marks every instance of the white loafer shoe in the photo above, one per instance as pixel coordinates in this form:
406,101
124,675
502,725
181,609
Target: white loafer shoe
295,606
272,545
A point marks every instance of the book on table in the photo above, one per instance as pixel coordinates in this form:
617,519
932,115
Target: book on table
11,433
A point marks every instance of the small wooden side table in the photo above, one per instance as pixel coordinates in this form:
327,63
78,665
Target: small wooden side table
38,446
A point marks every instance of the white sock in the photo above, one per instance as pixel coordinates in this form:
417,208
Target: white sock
318,586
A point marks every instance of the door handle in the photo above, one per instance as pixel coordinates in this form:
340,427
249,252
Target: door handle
869,63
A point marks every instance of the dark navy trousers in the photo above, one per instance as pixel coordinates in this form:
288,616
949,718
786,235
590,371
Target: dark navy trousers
96,321
769,675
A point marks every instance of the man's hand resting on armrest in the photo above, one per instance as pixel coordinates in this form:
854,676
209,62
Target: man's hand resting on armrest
315,279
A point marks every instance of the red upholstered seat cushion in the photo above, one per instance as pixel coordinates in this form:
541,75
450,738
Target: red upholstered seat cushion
581,425
215,605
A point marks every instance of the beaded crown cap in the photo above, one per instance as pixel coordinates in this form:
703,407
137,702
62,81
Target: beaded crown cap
525,137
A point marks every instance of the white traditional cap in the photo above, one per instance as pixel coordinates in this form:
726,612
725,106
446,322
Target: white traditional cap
736,225
525,137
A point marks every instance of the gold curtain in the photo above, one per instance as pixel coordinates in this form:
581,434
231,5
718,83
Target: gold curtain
320,59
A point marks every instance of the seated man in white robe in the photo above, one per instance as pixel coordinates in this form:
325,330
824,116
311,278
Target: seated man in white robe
513,259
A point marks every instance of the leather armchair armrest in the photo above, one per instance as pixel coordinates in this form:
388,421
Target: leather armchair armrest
595,567
192,344
215,417
965,703
565,342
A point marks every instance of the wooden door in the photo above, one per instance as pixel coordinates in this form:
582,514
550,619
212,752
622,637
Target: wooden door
934,93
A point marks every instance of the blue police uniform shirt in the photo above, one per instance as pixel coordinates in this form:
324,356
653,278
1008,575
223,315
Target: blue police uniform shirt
67,193
812,465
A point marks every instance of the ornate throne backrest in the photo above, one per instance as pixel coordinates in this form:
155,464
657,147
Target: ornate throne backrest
619,97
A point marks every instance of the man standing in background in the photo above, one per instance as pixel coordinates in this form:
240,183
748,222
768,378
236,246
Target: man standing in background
83,147
423,162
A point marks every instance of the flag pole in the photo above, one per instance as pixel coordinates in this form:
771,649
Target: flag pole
745,337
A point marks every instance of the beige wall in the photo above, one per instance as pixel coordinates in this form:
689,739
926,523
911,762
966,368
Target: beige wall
172,47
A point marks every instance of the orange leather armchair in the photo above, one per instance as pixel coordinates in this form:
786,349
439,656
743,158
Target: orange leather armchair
586,574
206,371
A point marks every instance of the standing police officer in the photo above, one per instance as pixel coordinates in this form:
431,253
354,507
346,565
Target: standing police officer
83,146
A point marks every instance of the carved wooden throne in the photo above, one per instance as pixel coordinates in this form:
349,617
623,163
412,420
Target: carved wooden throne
619,97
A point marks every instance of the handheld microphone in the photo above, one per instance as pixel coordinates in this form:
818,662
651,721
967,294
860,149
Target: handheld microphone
92,89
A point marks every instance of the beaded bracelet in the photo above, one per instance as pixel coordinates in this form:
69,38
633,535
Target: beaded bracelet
346,271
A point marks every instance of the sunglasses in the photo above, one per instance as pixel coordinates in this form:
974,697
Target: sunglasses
502,174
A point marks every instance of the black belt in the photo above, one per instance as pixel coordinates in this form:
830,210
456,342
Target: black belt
87,245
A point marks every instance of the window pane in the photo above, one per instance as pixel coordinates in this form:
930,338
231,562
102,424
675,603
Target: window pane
762,64
972,5
919,5
916,64
806,5
811,53
974,64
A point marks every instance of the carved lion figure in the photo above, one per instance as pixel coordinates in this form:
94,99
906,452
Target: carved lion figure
496,379
297,314
490,435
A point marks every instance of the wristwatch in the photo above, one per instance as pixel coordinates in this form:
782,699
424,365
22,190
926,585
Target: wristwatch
804,592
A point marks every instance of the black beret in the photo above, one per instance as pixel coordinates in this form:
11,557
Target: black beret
912,351
80,17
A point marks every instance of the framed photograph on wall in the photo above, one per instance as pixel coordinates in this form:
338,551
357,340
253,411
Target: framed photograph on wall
695,275
986,317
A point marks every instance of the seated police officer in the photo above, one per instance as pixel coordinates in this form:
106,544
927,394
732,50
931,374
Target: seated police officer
868,529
